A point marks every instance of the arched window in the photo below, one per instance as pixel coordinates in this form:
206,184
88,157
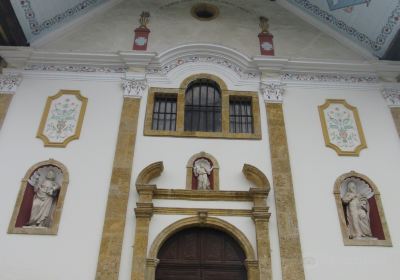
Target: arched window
203,106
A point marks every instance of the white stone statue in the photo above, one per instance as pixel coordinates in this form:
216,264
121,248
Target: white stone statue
202,169
46,183
355,194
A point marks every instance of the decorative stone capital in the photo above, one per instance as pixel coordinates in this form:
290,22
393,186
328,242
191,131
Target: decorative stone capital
392,95
9,83
273,92
134,88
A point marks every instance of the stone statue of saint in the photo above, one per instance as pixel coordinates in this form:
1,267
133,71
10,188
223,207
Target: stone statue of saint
46,188
355,199
202,169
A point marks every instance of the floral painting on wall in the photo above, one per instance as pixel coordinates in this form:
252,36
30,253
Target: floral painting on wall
62,118
341,127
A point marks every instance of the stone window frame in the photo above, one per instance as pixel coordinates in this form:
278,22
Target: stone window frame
226,95
189,170
342,220
53,229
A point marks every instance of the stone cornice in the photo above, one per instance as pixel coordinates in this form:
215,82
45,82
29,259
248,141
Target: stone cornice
245,68
9,83
391,93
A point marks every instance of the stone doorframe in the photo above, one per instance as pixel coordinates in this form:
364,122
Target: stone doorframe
258,265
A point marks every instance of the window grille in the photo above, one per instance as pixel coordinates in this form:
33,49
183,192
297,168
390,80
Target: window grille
164,113
240,115
203,106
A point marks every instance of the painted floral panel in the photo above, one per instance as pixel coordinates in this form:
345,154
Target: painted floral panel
342,128
62,118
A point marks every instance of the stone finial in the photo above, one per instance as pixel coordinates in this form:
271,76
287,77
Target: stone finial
392,95
9,83
144,19
134,88
264,25
273,92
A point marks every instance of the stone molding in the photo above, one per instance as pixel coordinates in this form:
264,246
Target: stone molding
210,59
273,92
195,211
202,195
134,88
246,68
392,95
9,83
82,68
335,77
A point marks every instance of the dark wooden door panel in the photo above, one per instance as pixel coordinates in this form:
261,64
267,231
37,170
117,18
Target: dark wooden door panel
222,275
178,274
201,254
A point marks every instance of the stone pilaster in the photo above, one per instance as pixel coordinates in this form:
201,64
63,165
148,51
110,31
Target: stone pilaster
8,87
289,239
392,97
260,217
114,222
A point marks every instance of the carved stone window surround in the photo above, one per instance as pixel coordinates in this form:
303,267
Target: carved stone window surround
180,94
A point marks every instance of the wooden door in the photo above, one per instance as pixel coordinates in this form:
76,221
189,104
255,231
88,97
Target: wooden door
201,254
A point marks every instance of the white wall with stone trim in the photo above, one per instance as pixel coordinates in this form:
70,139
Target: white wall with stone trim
73,252
315,169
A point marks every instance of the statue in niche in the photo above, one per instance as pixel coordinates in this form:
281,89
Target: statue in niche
46,183
355,195
202,169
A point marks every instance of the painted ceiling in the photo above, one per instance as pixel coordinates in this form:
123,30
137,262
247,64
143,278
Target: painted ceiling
372,24
39,17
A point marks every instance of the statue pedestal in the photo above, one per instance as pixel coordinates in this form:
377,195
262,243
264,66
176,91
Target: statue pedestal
266,43
141,39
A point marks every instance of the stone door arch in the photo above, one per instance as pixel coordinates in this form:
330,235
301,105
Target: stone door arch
201,253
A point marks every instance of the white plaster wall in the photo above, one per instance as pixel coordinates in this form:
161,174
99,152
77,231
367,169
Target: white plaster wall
171,25
89,160
315,169
73,252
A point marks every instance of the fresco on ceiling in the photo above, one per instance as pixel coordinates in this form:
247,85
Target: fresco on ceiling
38,17
372,24
345,4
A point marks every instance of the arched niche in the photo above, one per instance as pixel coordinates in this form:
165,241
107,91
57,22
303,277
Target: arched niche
361,216
203,221
49,180
191,180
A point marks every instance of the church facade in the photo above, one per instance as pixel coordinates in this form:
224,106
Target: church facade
199,141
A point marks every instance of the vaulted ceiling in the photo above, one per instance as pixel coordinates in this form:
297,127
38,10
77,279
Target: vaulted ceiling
370,24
